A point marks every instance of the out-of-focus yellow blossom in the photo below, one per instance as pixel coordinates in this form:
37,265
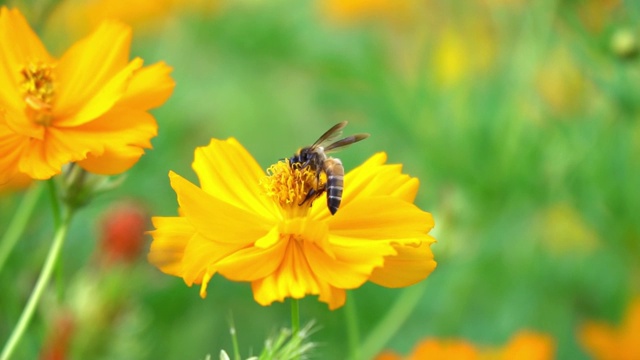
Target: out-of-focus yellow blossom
90,106
249,226
524,345
565,232
605,342
77,16
352,11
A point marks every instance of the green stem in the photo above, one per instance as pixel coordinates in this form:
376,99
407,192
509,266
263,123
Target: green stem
38,290
19,222
353,331
55,204
393,320
295,317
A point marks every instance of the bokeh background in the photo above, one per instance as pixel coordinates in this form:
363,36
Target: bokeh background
520,118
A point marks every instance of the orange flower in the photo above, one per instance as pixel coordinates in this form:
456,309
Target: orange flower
605,342
90,106
524,345
248,226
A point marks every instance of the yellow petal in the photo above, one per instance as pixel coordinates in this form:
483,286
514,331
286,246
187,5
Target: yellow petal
200,255
149,87
12,146
101,101
253,263
227,170
381,218
350,266
293,278
19,45
170,239
410,265
89,65
217,219
124,133
44,158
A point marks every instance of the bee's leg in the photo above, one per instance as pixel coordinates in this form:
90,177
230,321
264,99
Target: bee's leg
312,194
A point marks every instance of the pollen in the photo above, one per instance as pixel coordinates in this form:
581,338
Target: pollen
289,186
38,91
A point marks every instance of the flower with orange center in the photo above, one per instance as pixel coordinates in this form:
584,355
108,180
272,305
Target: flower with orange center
256,227
90,106
604,342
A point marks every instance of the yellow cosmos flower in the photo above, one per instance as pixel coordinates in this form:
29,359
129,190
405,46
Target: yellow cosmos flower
248,226
90,106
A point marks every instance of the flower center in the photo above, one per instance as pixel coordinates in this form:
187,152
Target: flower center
293,187
38,91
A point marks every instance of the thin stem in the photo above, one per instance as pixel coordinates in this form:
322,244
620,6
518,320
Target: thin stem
234,339
353,331
19,222
395,317
38,290
295,317
55,204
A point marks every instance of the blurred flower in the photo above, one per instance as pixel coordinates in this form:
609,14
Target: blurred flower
564,231
604,342
123,230
462,54
249,226
350,11
435,349
89,107
58,344
562,86
15,183
527,345
524,345
77,16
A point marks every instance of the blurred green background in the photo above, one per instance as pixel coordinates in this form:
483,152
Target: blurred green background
520,118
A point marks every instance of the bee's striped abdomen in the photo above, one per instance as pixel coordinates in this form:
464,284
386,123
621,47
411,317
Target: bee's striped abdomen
335,182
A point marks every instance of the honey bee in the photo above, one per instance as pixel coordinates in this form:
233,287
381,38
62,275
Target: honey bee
315,157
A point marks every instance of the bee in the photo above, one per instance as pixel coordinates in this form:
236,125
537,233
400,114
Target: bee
315,157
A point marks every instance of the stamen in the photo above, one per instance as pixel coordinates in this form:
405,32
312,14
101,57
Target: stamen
289,186
38,89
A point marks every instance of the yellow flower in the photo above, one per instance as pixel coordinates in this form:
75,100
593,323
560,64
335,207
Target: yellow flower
435,349
524,345
90,106
248,226
603,342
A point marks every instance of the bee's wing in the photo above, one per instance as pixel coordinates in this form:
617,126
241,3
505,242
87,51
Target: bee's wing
330,135
345,142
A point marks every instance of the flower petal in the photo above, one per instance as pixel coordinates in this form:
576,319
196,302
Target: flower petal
124,133
227,170
44,158
253,263
19,47
200,255
12,146
381,218
410,265
88,65
346,267
292,278
216,219
170,238
149,87
101,101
